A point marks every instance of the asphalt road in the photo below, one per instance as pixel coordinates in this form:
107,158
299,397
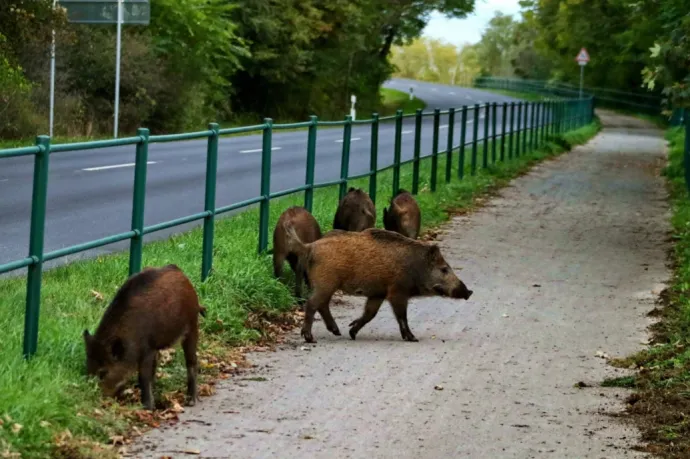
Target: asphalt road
90,191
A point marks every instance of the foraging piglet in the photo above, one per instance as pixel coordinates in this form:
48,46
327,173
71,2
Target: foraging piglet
151,311
403,216
379,264
355,211
308,230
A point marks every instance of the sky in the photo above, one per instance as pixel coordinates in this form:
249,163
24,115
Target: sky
468,30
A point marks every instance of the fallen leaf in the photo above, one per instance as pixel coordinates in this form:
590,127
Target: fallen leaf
177,408
97,412
97,295
44,424
205,390
581,384
304,348
192,451
117,440
536,285
438,387
16,428
602,355
505,315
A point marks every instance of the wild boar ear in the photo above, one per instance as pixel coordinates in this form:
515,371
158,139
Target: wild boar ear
117,349
434,252
351,189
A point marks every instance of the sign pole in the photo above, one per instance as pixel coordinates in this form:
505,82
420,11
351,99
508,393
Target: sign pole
117,66
52,78
582,76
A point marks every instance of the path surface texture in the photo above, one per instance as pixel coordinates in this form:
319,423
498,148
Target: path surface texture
565,262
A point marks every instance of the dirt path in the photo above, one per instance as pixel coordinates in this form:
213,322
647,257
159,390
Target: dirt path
565,263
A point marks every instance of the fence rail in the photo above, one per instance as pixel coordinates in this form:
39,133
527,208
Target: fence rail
548,119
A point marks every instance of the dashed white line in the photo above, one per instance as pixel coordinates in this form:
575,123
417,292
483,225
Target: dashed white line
445,126
351,140
468,98
4,180
257,150
114,166
407,132
434,89
451,93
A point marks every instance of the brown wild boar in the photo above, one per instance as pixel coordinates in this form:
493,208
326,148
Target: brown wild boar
151,311
375,263
355,211
308,230
403,216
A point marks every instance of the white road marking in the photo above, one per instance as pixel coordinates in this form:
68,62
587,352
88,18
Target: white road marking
407,132
351,140
434,89
4,180
114,166
445,126
451,93
468,98
257,150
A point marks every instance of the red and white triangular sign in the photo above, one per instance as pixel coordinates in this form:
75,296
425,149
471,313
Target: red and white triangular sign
582,56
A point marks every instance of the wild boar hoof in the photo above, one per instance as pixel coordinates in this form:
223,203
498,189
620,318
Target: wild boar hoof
335,331
308,337
149,406
353,333
411,338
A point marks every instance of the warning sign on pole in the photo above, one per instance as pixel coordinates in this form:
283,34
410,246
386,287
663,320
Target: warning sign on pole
582,57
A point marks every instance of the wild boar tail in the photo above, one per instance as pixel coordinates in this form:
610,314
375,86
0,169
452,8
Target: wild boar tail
294,243
202,310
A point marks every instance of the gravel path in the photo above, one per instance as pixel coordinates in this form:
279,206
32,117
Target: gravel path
564,263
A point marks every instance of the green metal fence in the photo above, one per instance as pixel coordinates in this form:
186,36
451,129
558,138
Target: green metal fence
550,118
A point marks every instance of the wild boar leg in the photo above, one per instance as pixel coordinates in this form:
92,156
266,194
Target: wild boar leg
370,311
315,303
189,347
278,260
147,372
299,275
399,305
328,319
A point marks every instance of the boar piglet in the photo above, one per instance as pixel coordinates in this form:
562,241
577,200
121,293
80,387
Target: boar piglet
355,212
378,264
403,216
307,229
151,311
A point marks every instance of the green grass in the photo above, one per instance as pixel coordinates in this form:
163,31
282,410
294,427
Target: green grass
394,100
52,387
662,400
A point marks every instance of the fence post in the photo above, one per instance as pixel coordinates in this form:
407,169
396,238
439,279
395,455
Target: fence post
544,120
485,152
537,126
434,151
686,152
311,163
36,239
136,244
519,128
449,148
396,151
417,147
512,130
210,201
475,132
493,132
504,121
463,140
533,126
374,156
526,128
265,184
345,159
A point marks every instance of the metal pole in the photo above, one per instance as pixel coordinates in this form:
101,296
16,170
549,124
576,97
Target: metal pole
118,48
52,78
582,75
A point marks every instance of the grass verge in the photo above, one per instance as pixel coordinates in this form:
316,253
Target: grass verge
48,407
660,405
394,100
528,96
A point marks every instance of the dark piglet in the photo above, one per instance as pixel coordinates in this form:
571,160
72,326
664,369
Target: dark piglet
307,229
355,212
403,216
151,311
378,264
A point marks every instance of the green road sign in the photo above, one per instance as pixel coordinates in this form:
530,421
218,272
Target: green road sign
136,12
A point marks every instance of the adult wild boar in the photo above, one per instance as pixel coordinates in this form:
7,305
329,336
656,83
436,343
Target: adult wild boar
403,216
378,264
356,211
307,229
151,311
